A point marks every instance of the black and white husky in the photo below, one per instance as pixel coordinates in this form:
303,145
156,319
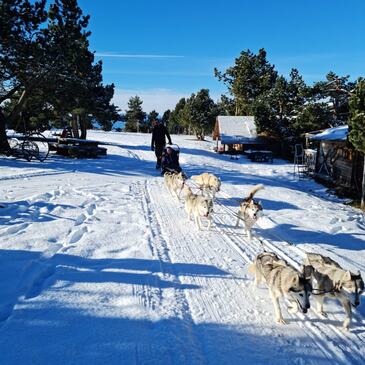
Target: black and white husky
330,280
250,210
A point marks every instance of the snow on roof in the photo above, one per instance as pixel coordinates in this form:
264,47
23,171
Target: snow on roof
236,129
332,134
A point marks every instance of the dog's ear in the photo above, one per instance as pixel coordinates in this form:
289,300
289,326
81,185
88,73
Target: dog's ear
347,276
307,271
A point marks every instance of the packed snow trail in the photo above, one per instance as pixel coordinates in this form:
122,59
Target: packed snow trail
98,263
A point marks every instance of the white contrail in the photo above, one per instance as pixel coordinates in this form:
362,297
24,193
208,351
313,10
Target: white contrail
124,55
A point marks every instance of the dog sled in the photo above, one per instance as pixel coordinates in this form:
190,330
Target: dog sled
170,159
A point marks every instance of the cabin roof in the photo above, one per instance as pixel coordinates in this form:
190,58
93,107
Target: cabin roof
236,129
332,134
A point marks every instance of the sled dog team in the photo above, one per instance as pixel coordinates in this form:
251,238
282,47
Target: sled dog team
319,276
201,205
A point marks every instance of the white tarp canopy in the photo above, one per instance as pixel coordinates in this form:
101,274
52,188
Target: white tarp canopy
237,130
332,134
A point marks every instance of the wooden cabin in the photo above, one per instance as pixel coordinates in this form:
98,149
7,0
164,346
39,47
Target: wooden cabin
234,134
337,162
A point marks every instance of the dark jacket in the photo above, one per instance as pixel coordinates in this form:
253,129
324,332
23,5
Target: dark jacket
159,134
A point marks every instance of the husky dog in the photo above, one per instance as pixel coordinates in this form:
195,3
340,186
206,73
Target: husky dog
329,279
283,281
250,210
174,182
208,183
199,206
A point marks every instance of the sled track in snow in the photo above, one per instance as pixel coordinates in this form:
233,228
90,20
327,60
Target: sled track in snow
351,348
160,249
353,351
34,174
326,333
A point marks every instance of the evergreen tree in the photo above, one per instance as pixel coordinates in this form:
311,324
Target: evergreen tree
276,111
21,62
134,115
336,90
251,76
45,64
175,123
165,117
153,115
226,106
203,113
312,117
357,125
81,88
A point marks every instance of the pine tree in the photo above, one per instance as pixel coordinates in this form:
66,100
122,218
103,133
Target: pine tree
311,117
152,116
203,113
357,125
226,106
251,76
134,115
165,117
175,123
276,111
337,90
21,64
46,64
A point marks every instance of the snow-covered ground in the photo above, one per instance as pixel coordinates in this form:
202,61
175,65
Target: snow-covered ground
98,264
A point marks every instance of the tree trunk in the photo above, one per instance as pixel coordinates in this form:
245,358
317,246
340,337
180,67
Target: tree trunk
19,106
83,127
4,145
75,126
10,93
23,98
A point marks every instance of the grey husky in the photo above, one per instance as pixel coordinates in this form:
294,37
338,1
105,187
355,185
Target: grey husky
329,279
198,206
250,210
174,182
283,281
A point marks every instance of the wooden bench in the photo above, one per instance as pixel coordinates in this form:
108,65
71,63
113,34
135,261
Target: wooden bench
79,148
260,156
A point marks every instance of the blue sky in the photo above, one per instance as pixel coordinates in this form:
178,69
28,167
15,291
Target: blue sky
163,50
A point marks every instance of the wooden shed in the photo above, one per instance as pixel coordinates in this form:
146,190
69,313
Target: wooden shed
234,133
336,160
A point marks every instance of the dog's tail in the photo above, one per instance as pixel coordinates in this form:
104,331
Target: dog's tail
196,178
254,190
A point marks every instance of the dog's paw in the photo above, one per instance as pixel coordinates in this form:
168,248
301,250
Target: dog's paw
281,321
323,314
346,325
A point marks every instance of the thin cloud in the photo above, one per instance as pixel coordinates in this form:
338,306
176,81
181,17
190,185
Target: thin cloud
128,55
159,73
